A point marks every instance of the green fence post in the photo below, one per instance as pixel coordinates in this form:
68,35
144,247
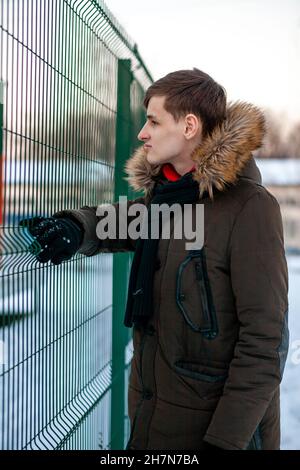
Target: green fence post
1,113
121,260
1,156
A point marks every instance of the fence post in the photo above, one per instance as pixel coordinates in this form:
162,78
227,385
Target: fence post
120,334
1,156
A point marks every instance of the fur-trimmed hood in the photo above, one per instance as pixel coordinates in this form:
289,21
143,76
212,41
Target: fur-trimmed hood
220,159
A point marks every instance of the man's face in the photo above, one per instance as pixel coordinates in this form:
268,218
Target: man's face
164,138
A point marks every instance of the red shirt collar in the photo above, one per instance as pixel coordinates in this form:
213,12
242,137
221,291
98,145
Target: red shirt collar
170,173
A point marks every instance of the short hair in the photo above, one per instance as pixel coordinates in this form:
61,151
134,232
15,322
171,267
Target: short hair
191,91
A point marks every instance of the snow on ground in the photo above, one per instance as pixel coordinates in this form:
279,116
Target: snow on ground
290,386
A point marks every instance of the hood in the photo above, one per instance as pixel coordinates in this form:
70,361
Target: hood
220,160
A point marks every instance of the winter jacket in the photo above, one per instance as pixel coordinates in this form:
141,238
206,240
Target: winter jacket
208,365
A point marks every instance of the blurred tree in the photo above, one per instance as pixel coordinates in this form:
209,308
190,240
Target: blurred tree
293,141
277,143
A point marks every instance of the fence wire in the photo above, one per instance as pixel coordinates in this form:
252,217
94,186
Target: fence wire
61,64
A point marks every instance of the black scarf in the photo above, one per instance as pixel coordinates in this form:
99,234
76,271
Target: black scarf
139,306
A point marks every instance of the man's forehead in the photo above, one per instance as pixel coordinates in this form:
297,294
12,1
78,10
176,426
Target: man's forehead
156,107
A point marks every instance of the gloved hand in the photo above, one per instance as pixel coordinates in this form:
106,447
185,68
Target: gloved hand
58,239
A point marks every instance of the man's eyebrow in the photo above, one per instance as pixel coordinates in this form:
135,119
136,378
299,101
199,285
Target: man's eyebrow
151,116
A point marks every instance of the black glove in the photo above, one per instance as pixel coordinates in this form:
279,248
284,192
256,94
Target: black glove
56,239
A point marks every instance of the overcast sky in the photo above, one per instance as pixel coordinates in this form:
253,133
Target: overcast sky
251,47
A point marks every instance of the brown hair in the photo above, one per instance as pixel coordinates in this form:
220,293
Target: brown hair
191,91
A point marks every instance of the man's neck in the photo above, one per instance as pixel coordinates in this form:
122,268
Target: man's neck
183,167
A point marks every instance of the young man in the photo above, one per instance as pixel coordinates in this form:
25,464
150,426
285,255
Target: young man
210,327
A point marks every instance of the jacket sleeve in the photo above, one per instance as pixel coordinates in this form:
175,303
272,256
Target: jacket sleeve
91,244
259,280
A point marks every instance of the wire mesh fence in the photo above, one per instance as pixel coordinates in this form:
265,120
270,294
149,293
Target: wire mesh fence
71,89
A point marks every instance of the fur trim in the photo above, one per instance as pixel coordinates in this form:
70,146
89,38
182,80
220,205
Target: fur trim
140,172
219,159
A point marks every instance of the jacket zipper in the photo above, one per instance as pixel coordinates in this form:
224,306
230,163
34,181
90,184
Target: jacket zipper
207,301
203,294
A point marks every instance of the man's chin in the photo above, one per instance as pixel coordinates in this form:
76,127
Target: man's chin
152,159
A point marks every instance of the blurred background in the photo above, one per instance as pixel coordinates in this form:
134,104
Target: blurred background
72,78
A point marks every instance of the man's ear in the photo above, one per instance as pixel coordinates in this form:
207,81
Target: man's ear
193,126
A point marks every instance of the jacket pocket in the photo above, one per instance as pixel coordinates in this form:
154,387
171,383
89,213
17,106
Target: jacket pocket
193,271
206,381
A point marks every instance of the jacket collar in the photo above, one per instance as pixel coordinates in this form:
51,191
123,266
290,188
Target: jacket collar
170,173
220,160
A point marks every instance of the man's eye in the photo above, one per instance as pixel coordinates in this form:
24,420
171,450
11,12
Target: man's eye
153,122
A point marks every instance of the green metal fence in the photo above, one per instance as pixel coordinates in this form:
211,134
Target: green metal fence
71,89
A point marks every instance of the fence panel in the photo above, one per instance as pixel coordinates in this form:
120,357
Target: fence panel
62,370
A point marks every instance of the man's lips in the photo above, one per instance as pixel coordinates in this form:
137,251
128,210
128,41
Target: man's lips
146,146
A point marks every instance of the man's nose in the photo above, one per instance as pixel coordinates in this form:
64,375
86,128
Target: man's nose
143,135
